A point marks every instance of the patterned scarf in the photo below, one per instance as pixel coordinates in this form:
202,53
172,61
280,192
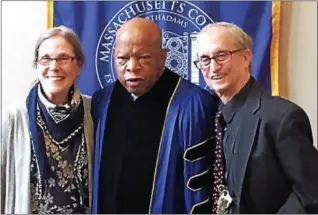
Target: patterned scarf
59,120
62,120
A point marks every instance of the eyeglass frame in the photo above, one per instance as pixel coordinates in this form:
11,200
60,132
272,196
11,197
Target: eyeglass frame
57,60
196,62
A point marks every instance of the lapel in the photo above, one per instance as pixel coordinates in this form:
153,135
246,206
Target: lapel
160,199
246,134
101,109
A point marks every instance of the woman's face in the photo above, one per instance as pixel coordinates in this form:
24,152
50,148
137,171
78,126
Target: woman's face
57,68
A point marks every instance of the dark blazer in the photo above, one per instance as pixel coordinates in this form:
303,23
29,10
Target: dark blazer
275,161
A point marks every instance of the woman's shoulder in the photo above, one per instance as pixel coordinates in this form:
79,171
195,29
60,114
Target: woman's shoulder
14,120
14,110
86,102
86,97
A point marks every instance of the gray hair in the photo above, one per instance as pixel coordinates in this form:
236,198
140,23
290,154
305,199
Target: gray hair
68,34
240,37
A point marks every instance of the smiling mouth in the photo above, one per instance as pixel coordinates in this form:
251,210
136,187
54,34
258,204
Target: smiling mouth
217,77
55,78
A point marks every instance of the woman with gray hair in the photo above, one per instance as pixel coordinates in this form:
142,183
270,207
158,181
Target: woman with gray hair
47,141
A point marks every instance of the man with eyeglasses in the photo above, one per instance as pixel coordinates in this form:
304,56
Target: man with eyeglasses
148,125
267,162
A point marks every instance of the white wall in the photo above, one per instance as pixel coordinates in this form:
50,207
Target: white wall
299,57
22,23
303,46
20,28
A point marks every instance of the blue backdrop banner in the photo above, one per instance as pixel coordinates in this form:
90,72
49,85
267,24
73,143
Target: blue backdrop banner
96,23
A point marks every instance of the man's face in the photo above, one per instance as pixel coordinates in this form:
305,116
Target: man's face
139,61
227,75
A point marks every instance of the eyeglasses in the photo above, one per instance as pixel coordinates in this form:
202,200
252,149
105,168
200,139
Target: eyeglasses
220,58
63,60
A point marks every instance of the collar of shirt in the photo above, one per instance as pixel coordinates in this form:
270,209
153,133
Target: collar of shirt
231,108
157,93
134,96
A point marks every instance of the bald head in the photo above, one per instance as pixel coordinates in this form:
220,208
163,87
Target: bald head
139,56
140,29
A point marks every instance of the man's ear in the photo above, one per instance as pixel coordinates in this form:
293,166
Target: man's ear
164,55
248,57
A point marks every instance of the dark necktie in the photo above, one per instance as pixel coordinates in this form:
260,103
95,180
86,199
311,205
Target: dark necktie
218,165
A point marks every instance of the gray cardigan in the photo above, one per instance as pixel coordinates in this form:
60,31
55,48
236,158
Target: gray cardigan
16,158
